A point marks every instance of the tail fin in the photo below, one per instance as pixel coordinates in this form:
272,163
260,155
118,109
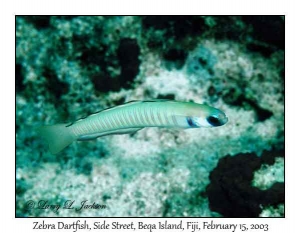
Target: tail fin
58,136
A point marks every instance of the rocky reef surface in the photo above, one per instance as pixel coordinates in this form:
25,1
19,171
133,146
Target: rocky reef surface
68,67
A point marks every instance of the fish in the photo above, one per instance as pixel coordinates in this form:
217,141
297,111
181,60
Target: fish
131,117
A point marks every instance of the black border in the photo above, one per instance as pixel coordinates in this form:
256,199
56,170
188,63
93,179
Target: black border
182,217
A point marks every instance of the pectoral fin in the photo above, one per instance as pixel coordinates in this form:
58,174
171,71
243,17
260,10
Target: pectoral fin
112,132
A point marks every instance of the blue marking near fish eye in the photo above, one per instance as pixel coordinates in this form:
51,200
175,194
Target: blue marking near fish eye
190,122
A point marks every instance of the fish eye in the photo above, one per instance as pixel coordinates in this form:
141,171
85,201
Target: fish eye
214,121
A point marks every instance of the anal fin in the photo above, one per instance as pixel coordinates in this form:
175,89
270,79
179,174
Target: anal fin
93,136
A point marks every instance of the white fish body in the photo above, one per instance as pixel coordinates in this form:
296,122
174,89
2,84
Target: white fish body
131,117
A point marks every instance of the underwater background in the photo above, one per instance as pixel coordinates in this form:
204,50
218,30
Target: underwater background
68,67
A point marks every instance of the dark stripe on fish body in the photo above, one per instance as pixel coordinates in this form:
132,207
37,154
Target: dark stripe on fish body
135,116
147,111
159,117
146,115
128,119
123,117
99,122
152,116
131,116
144,111
114,119
117,120
190,122
166,117
85,128
140,113
110,119
94,125
120,114
174,120
106,122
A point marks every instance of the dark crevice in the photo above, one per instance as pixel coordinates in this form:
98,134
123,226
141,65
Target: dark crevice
56,87
166,97
40,22
269,29
235,98
176,26
176,56
19,78
128,55
231,193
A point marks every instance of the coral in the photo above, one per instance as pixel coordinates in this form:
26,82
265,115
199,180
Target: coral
267,175
271,211
201,63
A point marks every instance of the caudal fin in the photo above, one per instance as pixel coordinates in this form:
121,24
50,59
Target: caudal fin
58,136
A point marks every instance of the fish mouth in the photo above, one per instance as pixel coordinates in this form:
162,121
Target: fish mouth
223,118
